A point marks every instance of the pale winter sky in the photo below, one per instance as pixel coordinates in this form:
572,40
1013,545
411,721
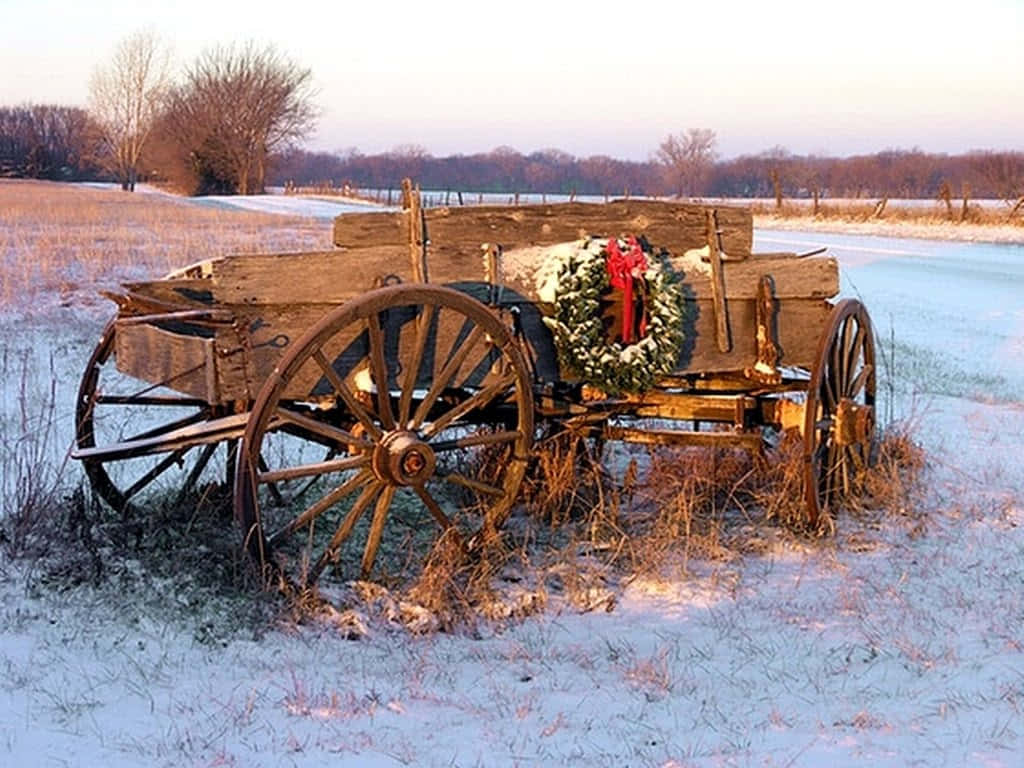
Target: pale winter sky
593,77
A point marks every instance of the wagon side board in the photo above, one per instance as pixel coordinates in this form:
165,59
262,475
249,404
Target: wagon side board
677,227
799,325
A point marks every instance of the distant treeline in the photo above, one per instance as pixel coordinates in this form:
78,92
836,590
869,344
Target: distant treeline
59,142
891,173
47,141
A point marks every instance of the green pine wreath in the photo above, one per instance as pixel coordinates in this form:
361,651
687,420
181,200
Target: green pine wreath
573,281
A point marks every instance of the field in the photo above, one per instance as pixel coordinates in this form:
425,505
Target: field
897,641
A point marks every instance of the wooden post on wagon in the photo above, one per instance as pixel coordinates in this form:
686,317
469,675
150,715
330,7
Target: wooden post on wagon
718,284
417,231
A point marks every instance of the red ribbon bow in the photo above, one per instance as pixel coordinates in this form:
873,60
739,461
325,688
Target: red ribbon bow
623,269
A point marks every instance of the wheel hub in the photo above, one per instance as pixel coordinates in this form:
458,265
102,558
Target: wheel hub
854,422
402,458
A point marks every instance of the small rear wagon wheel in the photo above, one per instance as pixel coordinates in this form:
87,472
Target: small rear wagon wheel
424,402
114,408
839,424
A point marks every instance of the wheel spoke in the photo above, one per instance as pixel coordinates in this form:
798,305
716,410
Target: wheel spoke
852,356
844,350
828,391
354,406
830,471
457,478
310,470
321,506
424,322
344,530
196,471
490,354
335,435
844,468
858,382
456,358
278,499
169,461
479,400
169,401
171,426
380,516
380,370
475,440
434,508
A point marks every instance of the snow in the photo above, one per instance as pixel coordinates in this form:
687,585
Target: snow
275,201
900,642
326,208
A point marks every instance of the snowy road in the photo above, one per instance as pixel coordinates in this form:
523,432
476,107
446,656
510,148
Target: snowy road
956,310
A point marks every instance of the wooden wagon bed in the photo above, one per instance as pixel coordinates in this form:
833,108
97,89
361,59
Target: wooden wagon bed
216,330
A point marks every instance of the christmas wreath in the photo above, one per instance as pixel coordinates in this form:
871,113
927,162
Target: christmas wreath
581,282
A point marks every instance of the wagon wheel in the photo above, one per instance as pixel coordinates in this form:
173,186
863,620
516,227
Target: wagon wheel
114,408
839,421
426,402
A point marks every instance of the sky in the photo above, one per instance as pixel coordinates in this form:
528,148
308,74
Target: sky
589,78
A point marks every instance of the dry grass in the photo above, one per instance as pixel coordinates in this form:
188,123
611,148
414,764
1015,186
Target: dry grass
708,504
988,222
581,533
32,487
59,239
989,213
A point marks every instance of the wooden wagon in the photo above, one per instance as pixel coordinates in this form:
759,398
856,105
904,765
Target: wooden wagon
395,384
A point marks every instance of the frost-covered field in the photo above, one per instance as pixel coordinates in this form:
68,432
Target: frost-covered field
899,642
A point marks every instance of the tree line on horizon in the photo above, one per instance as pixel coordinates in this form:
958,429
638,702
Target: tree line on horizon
773,173
54,142
232,122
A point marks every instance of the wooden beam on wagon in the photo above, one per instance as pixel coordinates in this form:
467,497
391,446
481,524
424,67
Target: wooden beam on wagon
203,433
718,284
750,441
417,231
675,226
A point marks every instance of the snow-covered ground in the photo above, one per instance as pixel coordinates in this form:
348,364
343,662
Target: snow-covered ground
289,205
900,642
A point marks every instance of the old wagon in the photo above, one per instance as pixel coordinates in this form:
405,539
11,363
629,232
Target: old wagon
376,396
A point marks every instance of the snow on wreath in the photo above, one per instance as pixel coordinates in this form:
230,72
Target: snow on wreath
585,285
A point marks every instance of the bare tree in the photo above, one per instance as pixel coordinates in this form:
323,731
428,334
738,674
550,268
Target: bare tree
236,108
1002,172
687,159
124,98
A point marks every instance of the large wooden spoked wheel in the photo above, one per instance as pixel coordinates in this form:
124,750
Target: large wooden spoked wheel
839,423
114,409
424,402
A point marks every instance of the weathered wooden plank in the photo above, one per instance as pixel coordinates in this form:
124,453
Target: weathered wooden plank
319,277
800,323
157,356
183,293
675,226
816,278
750,441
